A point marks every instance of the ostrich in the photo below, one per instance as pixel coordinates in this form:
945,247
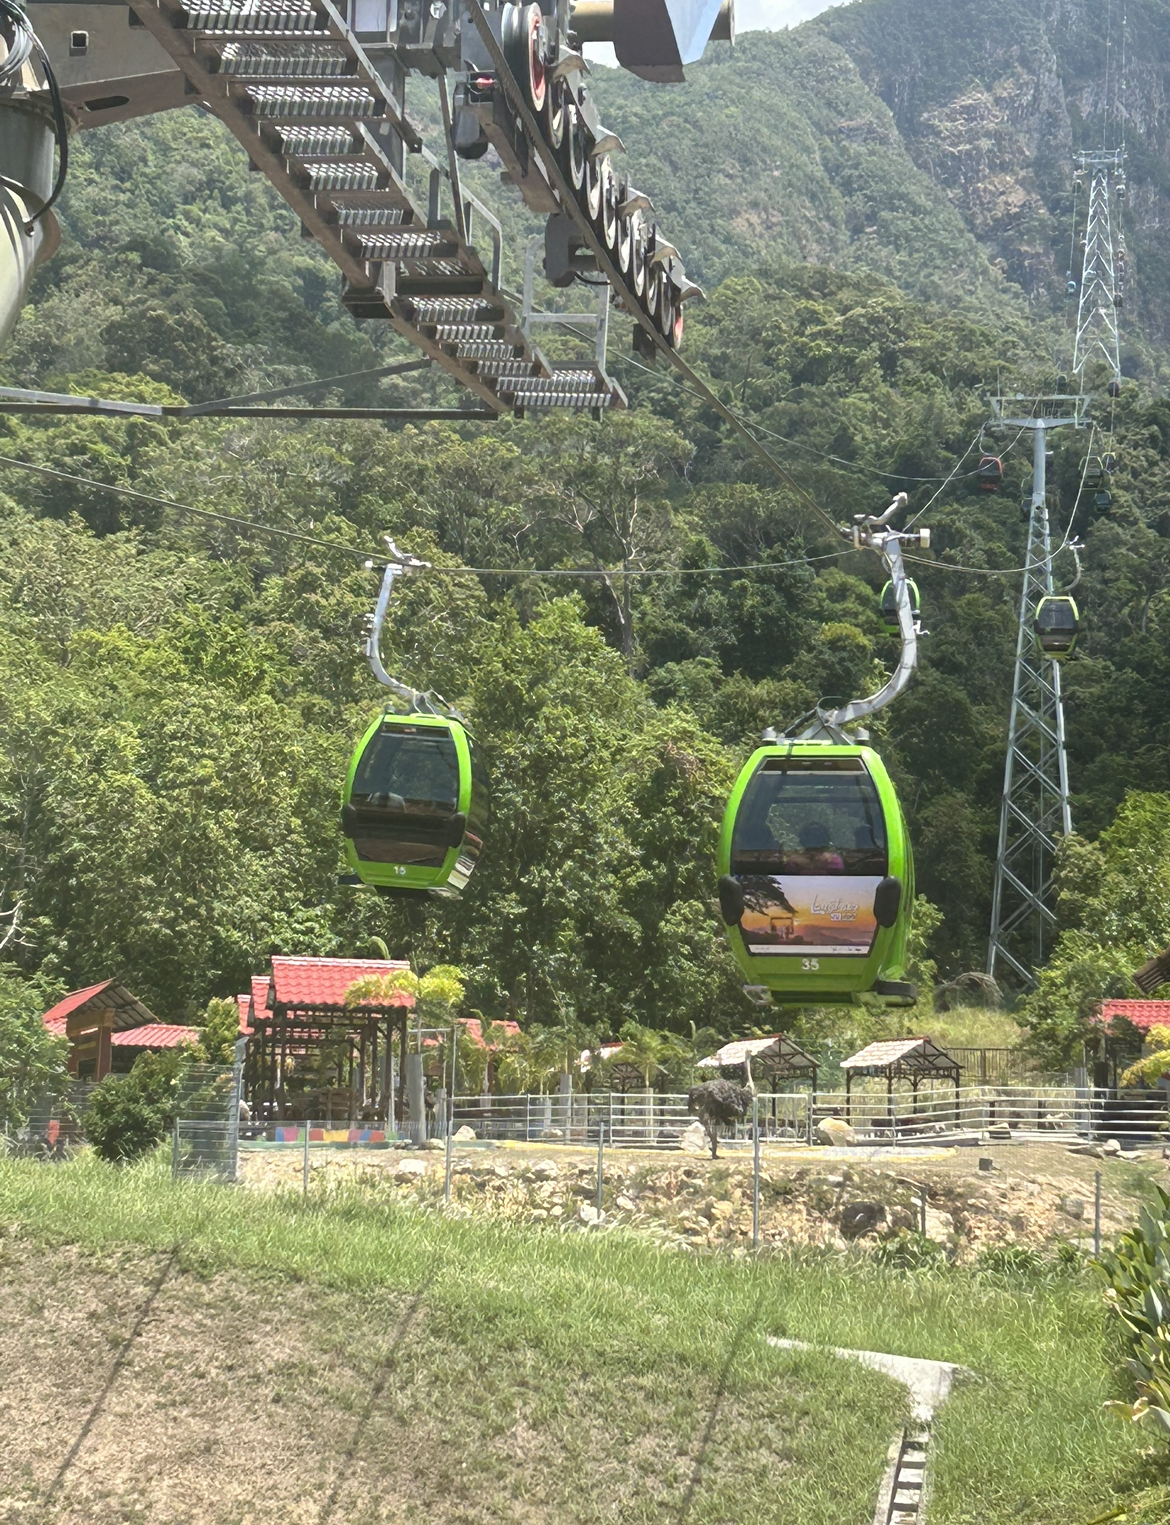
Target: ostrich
718,1101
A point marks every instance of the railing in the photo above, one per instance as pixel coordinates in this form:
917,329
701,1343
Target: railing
1037,1112
630,1120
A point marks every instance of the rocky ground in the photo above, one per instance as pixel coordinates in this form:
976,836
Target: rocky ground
1039,1197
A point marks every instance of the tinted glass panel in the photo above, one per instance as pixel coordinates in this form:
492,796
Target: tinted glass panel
1056,616
409,770
816,817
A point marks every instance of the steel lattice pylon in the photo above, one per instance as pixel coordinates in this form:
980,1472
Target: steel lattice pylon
1034,810
1103,268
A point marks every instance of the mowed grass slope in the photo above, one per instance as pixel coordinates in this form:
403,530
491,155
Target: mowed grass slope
380,1362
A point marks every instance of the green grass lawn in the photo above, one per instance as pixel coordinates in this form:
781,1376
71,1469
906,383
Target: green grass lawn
563,1377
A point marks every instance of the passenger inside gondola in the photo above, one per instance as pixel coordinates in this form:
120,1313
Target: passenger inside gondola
409,774
797,820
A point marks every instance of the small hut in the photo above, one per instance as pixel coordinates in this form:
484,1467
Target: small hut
775,1064
763,1059
912,1059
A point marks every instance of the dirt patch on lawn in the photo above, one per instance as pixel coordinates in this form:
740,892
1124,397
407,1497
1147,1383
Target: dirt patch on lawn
135,1392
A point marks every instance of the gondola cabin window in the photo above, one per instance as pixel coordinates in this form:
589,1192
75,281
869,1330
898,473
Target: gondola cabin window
409,772
809,849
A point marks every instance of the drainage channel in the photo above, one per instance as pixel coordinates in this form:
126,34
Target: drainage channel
904,1494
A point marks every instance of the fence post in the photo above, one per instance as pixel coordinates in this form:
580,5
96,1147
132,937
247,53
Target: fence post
600,1160
1097,1216
175,1150
527,1116
922,1213
305,1160
755,1172
447,1161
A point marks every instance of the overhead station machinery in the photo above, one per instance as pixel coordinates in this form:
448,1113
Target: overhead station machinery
317,95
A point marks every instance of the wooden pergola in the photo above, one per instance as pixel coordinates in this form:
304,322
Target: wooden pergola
775,1058
913,1059
305,1014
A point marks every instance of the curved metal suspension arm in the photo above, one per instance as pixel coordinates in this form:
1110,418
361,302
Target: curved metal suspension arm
400,565
871,531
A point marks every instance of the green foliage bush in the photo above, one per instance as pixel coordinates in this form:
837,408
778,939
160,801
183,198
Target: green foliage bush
1137,1276
129,1114
32,1060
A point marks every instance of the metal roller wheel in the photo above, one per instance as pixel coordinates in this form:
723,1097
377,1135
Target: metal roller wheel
638,255
625,244
607,219
573,150
589,193
651,292
671,318
522,39
558,103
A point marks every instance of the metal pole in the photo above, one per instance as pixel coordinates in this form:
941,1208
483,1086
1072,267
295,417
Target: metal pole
305,1160
450,1122
175,1150
600,1160
1097,1215
922,1213
755,1172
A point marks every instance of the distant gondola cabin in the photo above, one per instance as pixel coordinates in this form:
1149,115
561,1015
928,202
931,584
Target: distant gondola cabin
989,475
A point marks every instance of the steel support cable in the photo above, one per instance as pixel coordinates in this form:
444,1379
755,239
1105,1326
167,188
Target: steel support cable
357,552
824,455
237,521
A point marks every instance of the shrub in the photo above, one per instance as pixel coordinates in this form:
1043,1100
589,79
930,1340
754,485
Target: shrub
1007,1259
32,1061
910,1252
129,1114
1137,1275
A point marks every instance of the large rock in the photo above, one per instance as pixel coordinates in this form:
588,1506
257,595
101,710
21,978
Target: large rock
835,1130
858,1218
694,1140
410,1170
464,1135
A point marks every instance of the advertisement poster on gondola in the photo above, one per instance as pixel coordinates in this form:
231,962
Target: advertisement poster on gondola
802,914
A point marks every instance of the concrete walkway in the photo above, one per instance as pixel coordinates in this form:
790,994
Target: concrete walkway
903,1496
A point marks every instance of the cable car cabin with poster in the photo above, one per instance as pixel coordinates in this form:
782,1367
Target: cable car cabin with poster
415,806
817,876
1057,625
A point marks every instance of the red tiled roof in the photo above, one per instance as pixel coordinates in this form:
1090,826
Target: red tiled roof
62,1009
55,1025
243,1006
302,983
474,1030
155,1035
1142,1014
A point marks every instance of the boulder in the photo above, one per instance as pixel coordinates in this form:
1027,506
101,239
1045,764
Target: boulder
858,1218
1072,1207
999,1131
939,1225
694,1140
835,1130
1111,1148
435,1145
410,1170
464,1135
544,1170
589,1216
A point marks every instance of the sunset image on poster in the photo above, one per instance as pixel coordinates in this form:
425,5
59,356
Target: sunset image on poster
796,913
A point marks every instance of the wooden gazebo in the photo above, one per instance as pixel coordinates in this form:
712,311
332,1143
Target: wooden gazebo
304,1013
771,1059
913,1059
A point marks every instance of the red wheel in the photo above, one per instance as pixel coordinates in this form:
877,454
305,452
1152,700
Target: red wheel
522,39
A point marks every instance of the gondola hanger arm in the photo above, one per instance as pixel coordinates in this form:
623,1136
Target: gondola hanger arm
872,532
400,564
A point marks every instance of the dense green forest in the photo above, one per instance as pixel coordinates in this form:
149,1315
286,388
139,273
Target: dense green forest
180,696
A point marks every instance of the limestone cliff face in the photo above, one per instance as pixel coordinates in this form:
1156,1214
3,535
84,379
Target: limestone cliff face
993,97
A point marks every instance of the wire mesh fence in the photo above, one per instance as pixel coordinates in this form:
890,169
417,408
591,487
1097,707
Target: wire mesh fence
206,1135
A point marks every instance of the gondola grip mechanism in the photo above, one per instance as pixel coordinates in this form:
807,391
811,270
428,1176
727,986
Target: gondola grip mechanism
400,564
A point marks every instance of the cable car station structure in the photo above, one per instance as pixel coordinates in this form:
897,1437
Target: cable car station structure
316,95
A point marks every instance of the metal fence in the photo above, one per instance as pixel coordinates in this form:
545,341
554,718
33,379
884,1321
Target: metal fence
977,1112
630,1120
206,1136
